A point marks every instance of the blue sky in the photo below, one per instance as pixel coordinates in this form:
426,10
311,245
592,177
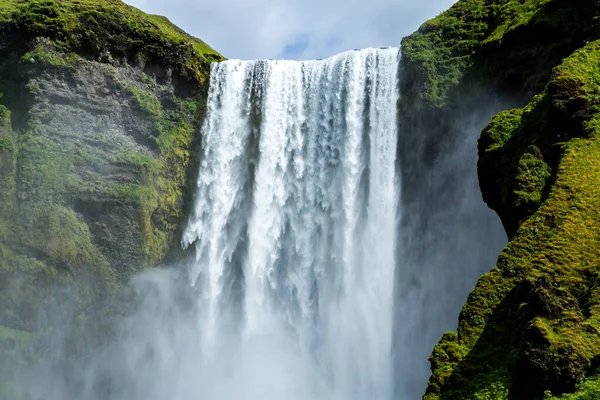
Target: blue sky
295,29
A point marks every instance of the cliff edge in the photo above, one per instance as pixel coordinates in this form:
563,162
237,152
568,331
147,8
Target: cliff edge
100,106
530,328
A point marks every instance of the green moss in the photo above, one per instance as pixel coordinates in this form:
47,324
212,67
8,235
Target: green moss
11,263
7,143
161,200
94,26
477,40
532,176
34,277
65,238
44,242
514,14
513,171
500,129
139,160
148,102
7,173
589,389
46,55
575,84
5,121
46,170
531,324
124,193
440,50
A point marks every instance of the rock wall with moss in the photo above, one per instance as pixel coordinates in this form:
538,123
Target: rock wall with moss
530,328
100,106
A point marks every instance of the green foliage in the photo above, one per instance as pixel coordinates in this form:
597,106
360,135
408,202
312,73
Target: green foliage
47,55
514,14
513,172
4,117
123,193
531,325
440,50
84,26
162,202
7,177
46,170
7,144
12,340
139,160
575,84
65,239
33,277
476,40
148,102
501,129
532,176
589,389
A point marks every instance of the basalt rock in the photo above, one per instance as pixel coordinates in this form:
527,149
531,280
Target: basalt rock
100,107
529,328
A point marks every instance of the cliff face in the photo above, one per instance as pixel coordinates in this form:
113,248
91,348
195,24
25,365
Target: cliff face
529,329
100,106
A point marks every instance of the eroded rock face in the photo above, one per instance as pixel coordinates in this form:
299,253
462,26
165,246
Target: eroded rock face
110,140
100,108
88,114
528,328
90,152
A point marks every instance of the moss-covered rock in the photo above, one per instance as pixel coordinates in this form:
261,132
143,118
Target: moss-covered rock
104,30
100,107
529,328
507,47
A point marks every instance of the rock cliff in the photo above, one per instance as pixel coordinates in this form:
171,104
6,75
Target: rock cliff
100,106
529,329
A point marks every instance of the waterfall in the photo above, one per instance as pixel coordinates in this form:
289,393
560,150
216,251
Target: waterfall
293,228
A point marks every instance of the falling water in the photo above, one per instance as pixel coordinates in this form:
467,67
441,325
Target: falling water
294,228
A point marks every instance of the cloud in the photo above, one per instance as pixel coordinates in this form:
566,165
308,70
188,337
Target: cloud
296,29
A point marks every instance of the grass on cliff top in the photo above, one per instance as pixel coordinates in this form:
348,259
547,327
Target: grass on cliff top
96,26
444,48
513,14
137,21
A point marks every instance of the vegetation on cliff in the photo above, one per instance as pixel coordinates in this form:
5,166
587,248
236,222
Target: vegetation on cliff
530,328
508,46
101,29
100,106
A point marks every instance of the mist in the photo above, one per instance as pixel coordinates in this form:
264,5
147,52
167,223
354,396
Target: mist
448,237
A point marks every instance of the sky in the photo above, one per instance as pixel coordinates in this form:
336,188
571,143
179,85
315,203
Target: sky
295,29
